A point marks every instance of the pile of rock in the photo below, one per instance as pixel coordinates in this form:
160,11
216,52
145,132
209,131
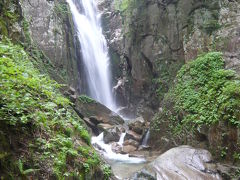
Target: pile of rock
135,135
112,133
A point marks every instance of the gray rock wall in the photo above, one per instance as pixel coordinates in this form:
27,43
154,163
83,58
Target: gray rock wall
52,31
159,36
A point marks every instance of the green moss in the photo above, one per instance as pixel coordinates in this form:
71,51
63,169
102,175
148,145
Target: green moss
61,9
25,27
9,18
34,113
211,26
86,99
167,73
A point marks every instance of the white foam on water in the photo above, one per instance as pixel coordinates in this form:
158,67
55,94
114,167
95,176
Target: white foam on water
109,154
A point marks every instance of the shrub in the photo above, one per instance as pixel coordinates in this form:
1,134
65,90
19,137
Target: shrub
207,93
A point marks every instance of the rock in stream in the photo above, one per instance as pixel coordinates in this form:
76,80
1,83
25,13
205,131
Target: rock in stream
180,163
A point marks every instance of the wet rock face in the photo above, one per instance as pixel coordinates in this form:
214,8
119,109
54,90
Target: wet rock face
133,135
185,162
11,21
111,135
137,125
52,31
158,37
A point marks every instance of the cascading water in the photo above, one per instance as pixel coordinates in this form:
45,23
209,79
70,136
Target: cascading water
109,154
145,139
96,62
94,50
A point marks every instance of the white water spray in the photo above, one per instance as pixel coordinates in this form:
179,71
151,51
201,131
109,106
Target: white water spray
94,50
121,140
109,154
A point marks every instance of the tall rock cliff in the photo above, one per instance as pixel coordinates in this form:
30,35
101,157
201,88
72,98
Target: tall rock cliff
152,40
52,31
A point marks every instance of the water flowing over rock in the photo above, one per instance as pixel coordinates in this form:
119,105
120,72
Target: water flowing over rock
94,50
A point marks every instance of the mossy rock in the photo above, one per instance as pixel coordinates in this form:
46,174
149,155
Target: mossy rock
205,96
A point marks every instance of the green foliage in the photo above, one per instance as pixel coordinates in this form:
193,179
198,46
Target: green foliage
236,156
25,172
223,151
61,9
107,171
211,25
9,16
31,105
25,93
125,6
121,5
25,27
86,99
167,72
206,93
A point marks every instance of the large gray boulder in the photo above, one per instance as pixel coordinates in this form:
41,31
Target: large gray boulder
137,125
185,162
182,163
111,135
52,32
132,135
96,112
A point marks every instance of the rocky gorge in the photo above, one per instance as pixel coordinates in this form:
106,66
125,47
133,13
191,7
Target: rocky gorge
174,68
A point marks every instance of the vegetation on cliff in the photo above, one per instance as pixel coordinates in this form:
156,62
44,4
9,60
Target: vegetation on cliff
207,93
205,96
40,134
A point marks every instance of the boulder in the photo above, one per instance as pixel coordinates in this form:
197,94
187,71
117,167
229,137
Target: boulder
144,174
185,162
71,90
111,135
103,127
137,125
91,125
96,120
116,147
131,142
132,135
144,148
73,98
97,112
128,148
136,155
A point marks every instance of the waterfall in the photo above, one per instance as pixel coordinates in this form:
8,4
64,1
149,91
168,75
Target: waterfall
145,139
121,140
94,50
